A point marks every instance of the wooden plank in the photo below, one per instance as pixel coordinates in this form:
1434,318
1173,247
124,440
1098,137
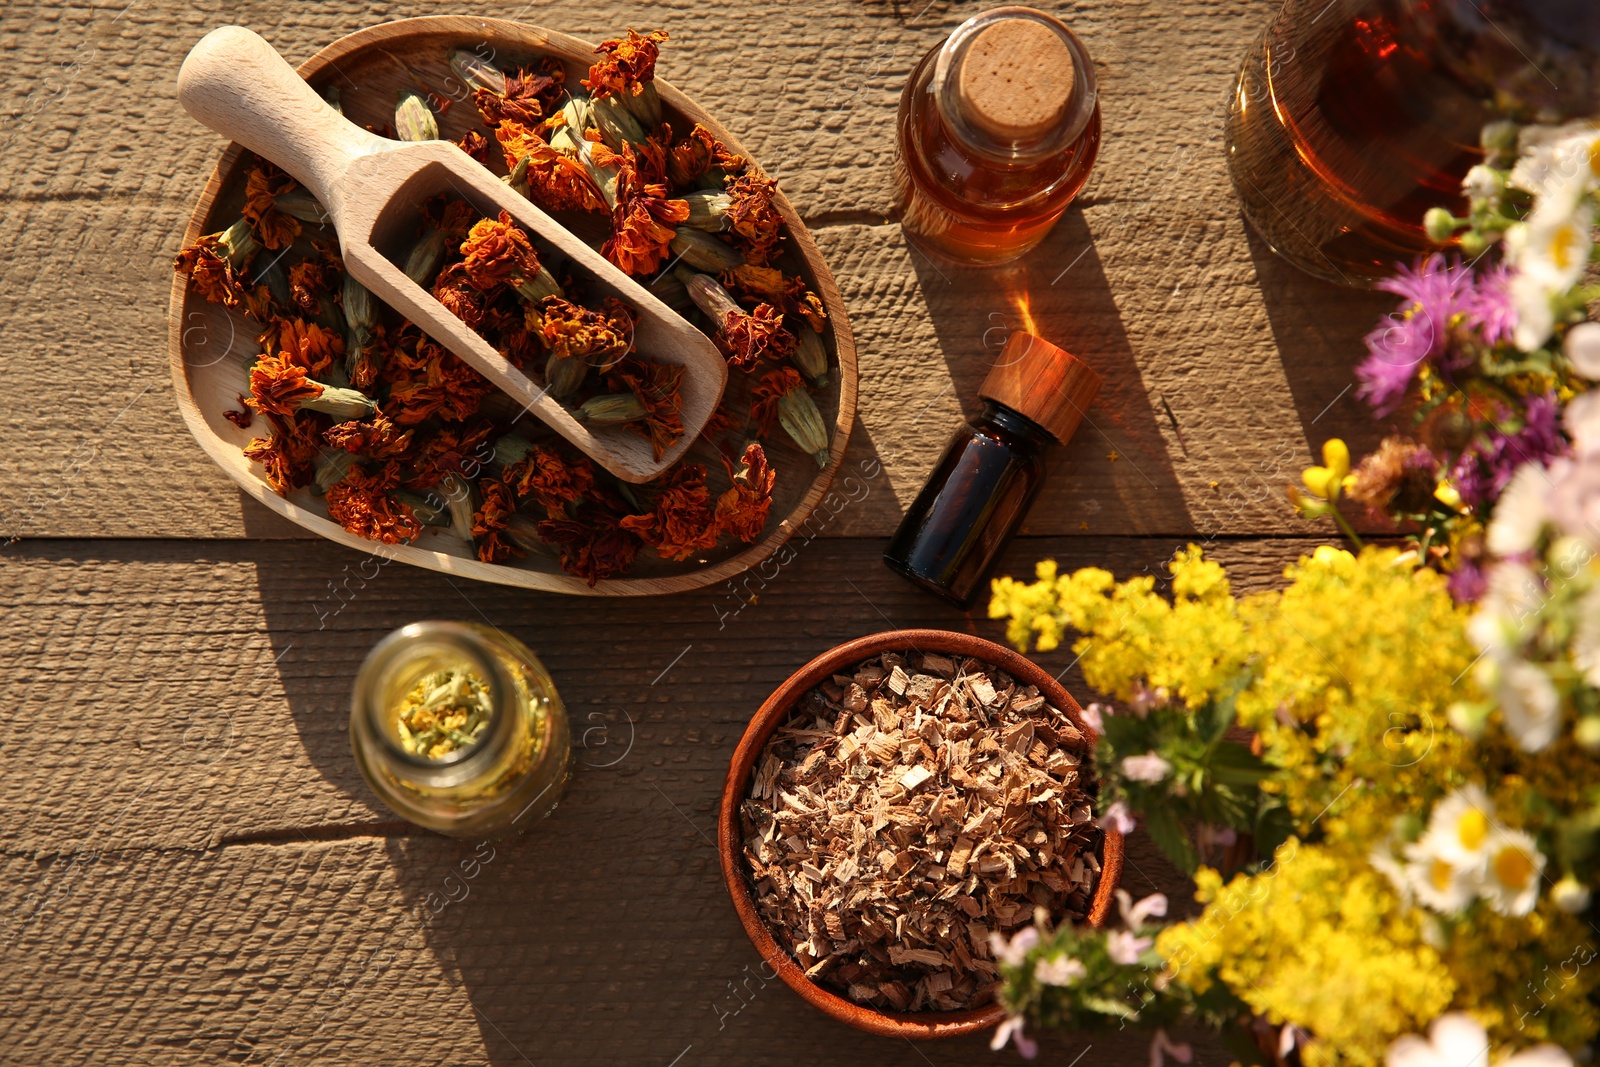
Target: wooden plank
1222,365
369,950
169,697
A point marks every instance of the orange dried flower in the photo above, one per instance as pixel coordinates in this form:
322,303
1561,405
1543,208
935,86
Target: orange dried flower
530,94
361,503
742,509
476,145
681,521
370,361
497,109
761,334
497,253
658,387
757,284
309,281
262,187
569,330
288,452
551,480
691,157
592,547
240,417
459,296
278,384
555,181
625,64
374,438
644,221
489,523
772,388
210,274
755,221
310,345
428,381
461,450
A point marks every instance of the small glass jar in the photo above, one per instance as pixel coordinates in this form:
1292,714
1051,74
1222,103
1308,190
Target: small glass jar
500,781
998,129
979,492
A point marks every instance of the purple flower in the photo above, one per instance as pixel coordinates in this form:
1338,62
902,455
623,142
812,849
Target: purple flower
1467,583
1487,307
1486,466
1434,292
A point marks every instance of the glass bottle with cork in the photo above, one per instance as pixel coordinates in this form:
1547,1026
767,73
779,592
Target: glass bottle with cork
997,131
983,485
458,728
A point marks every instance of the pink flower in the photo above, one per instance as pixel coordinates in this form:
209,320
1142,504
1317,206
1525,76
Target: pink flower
1015,951
1124,948
1134,915
1146,768
1092,717
1161,1043
1117,817
1011,1030
1062,970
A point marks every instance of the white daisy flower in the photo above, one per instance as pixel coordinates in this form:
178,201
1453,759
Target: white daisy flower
1512,878
1549,251
1520,515
1149,767
1515,593
1482,182
1439,884
1582,348
1458,1040
1460,827
1061,970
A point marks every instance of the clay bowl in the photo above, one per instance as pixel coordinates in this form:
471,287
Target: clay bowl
211,348
773,713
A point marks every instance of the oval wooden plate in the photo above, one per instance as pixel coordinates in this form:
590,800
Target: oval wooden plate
211,348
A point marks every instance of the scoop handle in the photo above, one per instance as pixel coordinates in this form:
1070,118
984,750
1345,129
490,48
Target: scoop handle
236,83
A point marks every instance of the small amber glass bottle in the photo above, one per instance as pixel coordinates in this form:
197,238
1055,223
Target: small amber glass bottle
998,129
982,487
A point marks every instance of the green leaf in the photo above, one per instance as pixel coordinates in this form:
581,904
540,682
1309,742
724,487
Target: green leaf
1165,829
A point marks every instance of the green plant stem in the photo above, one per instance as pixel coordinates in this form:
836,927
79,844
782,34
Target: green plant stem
1349,531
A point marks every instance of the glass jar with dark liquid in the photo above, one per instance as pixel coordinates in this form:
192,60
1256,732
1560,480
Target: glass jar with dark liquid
992,469
998,129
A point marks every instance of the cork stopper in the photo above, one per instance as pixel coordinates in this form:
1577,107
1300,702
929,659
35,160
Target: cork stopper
1015,81
1041,382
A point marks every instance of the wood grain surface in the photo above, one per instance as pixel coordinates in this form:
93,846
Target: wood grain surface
192,871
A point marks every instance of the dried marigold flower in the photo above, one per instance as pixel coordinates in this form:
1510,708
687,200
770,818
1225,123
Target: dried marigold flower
743,508
758,335
528,95
625,65
240,417
681,521
752,217
801,420
658,387
570,331
310,281
688,158
459,296
374,438
644,221
427,381
309,344
553,481
773,387
462,450
288,453
757,284
553,180
489,523
214,264
362,503
476,145
263,185
593,546
498,252
278,385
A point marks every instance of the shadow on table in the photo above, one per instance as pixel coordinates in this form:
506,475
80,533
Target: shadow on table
1059,292
1318,329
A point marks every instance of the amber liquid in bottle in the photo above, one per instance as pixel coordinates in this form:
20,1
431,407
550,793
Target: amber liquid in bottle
971,504
1351,119
997,131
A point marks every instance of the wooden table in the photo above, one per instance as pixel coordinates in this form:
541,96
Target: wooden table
193,871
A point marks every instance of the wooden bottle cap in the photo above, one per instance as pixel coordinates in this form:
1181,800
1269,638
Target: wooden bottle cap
1016,80
1043,383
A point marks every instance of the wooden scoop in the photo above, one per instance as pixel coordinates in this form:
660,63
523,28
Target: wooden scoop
235,83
